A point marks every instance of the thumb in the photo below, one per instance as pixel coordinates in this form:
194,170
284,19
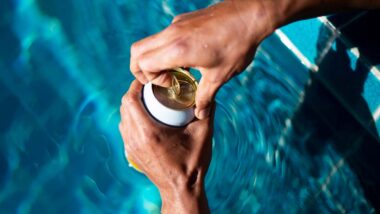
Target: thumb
204,98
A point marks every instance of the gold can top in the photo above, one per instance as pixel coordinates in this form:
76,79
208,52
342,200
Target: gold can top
181,95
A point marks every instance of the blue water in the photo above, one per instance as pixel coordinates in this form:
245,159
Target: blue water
64,66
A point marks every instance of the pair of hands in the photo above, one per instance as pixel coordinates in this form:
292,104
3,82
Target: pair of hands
220,41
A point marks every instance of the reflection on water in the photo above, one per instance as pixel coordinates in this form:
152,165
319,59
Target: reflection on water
273,153
66,68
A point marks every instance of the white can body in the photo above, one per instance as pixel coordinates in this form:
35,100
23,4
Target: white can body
164,114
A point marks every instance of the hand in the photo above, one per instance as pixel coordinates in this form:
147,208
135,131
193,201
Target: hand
220,41
174,159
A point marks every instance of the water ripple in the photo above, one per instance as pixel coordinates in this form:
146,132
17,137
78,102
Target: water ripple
62,151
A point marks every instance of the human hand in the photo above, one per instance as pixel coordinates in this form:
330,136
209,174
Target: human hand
219,41
174,159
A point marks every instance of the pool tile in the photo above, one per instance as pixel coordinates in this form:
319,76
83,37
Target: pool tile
364,34
343,49
342,19
350,79
304,35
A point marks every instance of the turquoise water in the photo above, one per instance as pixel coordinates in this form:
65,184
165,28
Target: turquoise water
64,67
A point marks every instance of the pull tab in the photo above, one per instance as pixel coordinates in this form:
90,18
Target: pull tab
175,88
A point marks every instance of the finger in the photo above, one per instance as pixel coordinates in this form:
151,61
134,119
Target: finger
124,124
123,132
205,123
136,71
134,90
124,115
151,42
163,79
203,129
154,63
171,56
133,104
145,45
204,97
128,150
128,145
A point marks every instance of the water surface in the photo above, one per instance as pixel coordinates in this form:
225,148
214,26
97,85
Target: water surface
64,68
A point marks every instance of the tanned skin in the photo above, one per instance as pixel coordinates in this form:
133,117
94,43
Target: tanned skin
220,41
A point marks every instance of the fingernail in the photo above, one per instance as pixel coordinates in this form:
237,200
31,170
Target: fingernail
203,113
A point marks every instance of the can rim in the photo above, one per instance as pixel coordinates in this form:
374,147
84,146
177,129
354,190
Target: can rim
164,114
194,82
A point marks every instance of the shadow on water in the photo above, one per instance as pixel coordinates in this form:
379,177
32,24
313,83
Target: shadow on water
344,74
333,94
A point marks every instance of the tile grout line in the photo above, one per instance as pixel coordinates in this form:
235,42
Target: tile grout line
355,51
352,20
375,71
289,44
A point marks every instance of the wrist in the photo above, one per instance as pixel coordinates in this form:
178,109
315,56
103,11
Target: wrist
275,13
261,18
185,199
286,11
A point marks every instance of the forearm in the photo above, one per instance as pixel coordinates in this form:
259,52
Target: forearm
259,18
185,200
287,11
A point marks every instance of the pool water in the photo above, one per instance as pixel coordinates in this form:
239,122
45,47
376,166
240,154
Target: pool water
64,67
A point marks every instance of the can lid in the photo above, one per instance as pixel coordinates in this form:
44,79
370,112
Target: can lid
181,95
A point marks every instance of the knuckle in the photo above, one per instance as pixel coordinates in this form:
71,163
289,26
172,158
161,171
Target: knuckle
129,100
133,68
177,28
178,18
180,47
144,64
174,28
150,137
134,49
124,99
203,102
